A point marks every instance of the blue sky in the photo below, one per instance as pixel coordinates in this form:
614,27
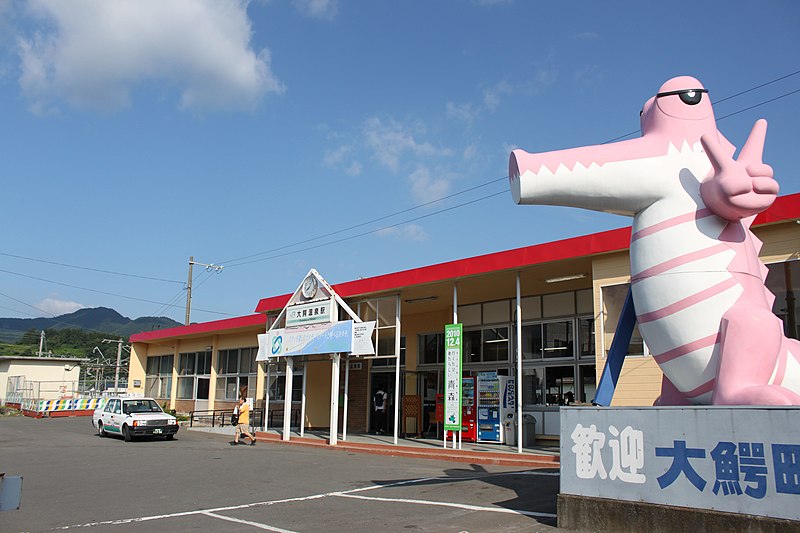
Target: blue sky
135,134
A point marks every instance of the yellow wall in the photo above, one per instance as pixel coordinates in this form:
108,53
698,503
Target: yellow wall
781,242
640,379
137,368
318,393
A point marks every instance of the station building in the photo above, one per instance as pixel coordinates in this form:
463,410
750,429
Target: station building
570,293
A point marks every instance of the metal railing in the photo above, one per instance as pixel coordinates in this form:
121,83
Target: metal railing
222,417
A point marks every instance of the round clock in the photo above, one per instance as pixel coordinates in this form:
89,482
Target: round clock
309,288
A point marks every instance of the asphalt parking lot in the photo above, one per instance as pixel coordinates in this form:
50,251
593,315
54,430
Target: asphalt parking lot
75,480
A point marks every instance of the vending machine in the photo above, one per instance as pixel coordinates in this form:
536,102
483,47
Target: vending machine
488,407
508,409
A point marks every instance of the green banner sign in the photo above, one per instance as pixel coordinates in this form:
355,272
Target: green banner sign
452,376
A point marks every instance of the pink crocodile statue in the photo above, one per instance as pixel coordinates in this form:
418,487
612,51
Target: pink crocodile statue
696,279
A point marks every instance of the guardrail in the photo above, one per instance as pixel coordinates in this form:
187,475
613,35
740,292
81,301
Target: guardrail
222,417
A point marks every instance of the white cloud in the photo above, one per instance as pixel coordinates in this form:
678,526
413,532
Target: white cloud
406,232
389,140
542,78
58,307
336,156
354,169
93,54
425,187
464,112
317,9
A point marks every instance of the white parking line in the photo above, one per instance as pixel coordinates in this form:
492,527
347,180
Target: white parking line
347,494
247,522
464,506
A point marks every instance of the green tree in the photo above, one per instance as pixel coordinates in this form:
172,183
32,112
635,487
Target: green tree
30,337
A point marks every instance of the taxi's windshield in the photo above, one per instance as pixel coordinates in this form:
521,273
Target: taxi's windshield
140,406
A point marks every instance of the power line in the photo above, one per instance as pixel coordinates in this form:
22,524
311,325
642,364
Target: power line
89,268
419,206
239,261
375,230
103,292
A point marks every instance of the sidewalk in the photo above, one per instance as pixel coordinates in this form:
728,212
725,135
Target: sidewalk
420,448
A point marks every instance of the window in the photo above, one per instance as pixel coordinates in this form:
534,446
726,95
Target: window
237,373
557,339
782,281
559,380
158,381
431,348
486,345
613,299
190,365
386,347
586,337
277,386
532,383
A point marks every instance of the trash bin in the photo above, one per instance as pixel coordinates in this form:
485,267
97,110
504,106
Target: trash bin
528,431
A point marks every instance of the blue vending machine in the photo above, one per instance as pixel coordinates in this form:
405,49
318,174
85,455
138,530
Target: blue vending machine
488,407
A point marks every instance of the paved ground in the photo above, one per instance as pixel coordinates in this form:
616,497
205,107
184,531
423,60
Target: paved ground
74,480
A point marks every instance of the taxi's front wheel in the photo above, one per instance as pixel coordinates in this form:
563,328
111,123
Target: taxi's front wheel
126,433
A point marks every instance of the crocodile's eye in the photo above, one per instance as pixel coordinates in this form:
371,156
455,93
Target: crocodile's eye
687,96
691,97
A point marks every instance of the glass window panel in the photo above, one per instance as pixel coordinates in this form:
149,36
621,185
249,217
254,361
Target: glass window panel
386,342
586,337
532,341
588,383
532,386
783,280
558,339
204,363
584,301
151,387
531,307
432,348
219,389
560,304
470,315
368,310
166,364
387,312
153,365
559,381
472,346
495,344
496,312
166,387
232,362
231,385
185,388
613,300
186,364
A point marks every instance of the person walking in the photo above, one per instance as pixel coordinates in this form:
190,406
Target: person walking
243,425
379,401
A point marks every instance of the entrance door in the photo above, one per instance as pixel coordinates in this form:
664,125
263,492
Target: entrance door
383,381
203,385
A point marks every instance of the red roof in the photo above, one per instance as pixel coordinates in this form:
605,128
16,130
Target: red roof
226,324
784,208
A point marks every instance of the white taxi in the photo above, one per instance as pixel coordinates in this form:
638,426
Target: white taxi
133,417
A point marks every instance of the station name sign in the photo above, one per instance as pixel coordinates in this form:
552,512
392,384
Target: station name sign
306,314
340,337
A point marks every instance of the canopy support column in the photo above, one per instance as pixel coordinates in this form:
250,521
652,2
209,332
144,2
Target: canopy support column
287,400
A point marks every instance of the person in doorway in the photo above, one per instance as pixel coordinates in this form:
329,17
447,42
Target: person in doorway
243,426
379,401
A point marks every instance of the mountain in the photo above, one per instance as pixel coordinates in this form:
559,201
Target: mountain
96,319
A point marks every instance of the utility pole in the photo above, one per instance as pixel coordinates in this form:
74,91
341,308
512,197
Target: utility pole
41,343
119,362
209,267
